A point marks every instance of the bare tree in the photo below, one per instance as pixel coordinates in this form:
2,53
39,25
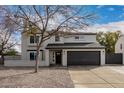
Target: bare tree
48,20
7,37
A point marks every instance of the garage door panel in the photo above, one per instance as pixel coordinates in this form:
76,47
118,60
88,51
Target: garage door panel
83,58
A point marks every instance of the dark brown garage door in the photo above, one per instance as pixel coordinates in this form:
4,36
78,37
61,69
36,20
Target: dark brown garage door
83,58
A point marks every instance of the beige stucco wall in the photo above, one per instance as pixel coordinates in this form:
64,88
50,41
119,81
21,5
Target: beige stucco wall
83,38
25,40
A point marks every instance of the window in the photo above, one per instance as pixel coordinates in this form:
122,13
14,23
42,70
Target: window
121,46
32,55
43,55
76,37
37,39
33,39
57,38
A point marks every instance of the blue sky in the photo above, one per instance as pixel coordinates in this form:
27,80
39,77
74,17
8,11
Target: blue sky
105,13
108,13
110,18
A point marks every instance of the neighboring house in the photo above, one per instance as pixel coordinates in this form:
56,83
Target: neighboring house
64,49
119,47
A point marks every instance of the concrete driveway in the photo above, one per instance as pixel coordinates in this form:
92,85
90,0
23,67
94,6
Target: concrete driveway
97,76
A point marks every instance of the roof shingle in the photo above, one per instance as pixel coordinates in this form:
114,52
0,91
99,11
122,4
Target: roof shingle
75,46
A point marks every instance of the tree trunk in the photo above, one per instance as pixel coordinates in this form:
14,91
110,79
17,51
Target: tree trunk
37,61
2,58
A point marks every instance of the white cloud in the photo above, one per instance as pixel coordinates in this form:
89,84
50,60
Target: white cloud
113,26
18,48
111,9
122,15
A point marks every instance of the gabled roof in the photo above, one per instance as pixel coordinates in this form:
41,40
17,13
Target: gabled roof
75,46
70,33
75,33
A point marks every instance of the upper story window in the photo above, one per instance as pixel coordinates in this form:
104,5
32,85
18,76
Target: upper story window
37,39
57,38
121,46
76,37
34,39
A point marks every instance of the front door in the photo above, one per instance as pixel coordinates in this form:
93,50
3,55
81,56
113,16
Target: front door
58,57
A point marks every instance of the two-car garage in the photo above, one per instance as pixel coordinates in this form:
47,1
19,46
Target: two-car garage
80,53
83,58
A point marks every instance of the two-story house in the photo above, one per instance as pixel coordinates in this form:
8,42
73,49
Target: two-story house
64,49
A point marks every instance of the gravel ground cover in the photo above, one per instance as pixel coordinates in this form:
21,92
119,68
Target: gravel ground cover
26,78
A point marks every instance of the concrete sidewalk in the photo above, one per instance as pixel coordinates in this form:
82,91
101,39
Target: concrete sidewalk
97,76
